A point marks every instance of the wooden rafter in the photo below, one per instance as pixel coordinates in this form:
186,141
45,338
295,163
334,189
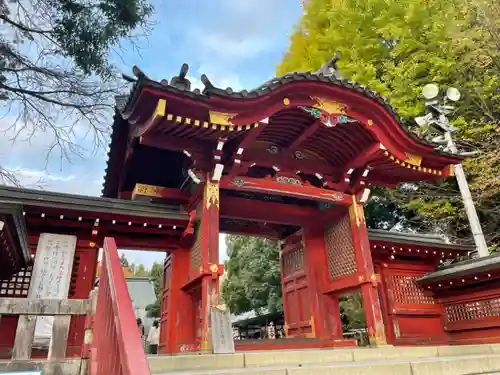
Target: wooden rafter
315,125
263,158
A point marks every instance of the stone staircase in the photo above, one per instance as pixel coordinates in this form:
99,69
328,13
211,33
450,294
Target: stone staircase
442,360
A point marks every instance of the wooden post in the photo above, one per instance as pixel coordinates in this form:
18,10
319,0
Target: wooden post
60,330
29,309
367,278
24,337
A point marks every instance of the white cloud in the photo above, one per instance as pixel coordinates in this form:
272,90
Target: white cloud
230,48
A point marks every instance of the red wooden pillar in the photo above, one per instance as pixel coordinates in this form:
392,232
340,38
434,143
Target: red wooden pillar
324,307
367,277
209,230
192,282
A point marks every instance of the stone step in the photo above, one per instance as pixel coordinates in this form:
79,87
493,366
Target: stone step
460,365
265,359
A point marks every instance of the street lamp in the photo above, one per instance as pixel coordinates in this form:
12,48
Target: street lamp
436,117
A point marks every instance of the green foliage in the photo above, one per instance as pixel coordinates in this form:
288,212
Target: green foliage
140,271
86,30
156,275
352,313
124,261
396,47
383,213
253,280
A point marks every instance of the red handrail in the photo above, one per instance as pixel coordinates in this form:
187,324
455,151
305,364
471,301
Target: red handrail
117,347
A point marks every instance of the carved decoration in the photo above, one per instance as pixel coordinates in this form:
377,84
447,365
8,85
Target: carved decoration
329,120
238,182
221,118
288,180
299,155
212,194
329,106
335,196
273,149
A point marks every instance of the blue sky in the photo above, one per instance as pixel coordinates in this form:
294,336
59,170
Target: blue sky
236,43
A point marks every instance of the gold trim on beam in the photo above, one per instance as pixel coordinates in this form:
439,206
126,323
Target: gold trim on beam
356,212
413,159
160,108
221,118
329,106
208,125
452,170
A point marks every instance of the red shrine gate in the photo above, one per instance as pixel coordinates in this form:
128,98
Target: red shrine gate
292,160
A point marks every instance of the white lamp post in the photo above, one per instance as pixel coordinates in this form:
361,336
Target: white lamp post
441,109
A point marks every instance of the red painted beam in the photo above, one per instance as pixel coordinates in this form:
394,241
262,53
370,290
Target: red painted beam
54,213
88,226
269,212
287,190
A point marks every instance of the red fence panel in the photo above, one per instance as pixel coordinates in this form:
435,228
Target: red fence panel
117,347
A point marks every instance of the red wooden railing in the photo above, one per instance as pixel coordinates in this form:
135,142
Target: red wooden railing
116,347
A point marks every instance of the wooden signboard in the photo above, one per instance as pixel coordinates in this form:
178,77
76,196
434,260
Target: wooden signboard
51,277
222,331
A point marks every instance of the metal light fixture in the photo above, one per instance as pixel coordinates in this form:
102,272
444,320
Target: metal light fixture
430,91
453,94
436,117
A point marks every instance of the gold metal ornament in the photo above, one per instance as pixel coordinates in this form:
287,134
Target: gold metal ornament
221,118
212,194
329,106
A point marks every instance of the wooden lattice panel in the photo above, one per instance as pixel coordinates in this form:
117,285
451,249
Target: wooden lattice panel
196,252
406,291
18,285
340,249
473,310
293,261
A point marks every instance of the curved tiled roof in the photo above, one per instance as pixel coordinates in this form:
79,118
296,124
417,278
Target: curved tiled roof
180,86
322,75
